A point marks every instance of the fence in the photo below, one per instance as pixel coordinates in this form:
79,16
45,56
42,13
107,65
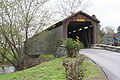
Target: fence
107,47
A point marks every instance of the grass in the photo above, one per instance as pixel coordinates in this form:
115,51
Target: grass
92,71
52,70
42,56
46,56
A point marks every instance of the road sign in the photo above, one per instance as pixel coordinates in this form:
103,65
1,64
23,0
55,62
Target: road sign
118,34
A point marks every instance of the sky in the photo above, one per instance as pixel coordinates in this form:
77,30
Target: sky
107,11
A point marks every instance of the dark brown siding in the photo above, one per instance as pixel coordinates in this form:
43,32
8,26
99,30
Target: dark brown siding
45,42
81,16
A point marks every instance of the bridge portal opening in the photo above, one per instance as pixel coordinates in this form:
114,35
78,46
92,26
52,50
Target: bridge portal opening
82,31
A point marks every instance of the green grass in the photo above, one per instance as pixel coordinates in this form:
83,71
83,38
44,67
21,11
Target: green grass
92,71
42,56
46,56
52,70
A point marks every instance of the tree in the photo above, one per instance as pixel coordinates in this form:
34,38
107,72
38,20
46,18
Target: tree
101,34
118,29
68,7
109,30
21,19
72,47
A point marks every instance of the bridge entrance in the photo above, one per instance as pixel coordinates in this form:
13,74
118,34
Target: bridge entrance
82,31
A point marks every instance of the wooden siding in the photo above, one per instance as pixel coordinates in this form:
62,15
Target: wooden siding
45,42
81,16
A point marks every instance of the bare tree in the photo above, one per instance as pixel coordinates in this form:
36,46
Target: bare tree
118,29
109,30
21,19
68,7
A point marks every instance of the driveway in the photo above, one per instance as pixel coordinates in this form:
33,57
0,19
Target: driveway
107,60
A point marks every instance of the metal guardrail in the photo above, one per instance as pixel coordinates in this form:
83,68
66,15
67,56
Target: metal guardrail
107,47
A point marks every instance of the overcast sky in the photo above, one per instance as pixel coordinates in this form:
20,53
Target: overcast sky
107,11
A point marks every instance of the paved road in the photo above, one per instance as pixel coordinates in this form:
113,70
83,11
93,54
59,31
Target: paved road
107,60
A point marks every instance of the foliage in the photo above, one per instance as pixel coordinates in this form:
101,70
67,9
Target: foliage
73,69
105,34
59,42
20,20
52,70
109,30
5,60
72,46
101,34
118,29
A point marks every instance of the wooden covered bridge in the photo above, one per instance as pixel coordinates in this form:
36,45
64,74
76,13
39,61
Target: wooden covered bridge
79,24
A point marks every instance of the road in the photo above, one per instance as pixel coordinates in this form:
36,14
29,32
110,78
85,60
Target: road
107,60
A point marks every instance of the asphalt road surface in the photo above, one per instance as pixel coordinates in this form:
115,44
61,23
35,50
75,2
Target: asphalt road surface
109,61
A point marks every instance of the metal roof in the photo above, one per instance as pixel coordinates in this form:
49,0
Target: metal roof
93,17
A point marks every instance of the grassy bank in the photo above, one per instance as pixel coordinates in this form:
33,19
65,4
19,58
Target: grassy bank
52,70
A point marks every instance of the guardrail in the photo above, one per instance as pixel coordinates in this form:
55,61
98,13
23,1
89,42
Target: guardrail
107,47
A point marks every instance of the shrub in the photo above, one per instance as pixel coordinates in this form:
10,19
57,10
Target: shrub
59,43
73,69
72,46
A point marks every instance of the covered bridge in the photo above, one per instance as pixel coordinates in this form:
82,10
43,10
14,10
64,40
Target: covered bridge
77,25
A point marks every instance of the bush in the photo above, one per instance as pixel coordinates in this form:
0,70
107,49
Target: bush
72,46
73,68
59,43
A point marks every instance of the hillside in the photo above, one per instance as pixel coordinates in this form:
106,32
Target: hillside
52,70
